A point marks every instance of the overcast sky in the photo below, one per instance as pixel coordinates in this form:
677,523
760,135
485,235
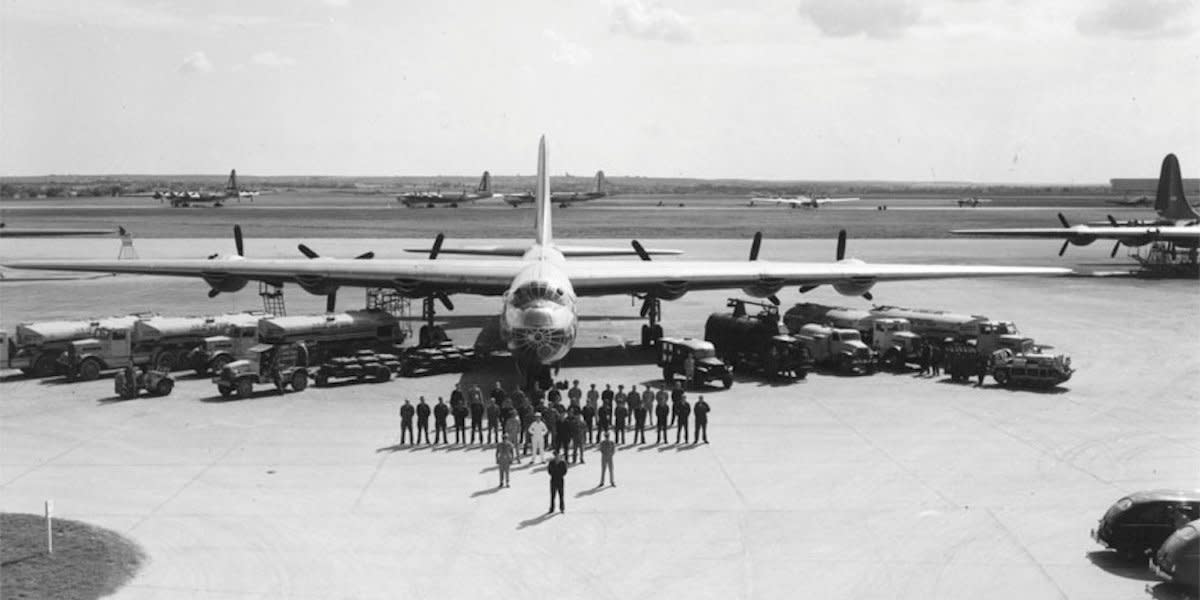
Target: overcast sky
979,90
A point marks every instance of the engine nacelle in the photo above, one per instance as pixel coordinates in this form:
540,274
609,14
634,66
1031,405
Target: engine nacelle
1081,240
671,290
854,287
1136,241
224,282
764,288
318,285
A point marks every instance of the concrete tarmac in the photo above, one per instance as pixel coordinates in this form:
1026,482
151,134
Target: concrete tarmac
888,486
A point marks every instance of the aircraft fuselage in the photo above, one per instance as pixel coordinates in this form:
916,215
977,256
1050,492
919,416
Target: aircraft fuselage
539,318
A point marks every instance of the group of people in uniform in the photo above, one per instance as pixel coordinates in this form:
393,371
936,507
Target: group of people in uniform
564,420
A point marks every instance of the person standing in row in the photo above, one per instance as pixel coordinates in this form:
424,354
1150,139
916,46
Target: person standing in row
558,473
505,454
608,394
701,411
456,397
589,418
676,396
580,432
440,412
498,396
604,416
574,397
608,448
639,420
648,401
554,396
682,412
551,418
493,421
620,413
422,420
935,360
460,413
475,406
512,430
537,435
406,422
662,412
564,434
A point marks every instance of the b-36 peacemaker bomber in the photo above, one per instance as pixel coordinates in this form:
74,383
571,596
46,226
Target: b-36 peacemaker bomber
538,285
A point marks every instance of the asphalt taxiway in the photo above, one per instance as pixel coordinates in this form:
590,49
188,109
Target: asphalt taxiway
889,486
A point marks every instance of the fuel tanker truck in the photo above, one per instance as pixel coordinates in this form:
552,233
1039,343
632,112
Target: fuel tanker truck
322,337
891,338
757,343
160,343
35,348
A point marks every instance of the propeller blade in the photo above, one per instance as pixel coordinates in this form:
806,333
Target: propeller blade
212,293
437,246
1116,247
1064,247
841,245
868,296
121,231
641,252
804,289
331,301
774,299
305,250
1112,221
1063,220
237,240
212,256
645,307
445,300
365,255
755,246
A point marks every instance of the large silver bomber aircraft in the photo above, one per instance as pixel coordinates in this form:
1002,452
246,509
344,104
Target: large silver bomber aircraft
539,285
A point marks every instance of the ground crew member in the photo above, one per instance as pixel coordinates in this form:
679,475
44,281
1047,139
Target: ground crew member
422,420
589,416
689,368
619,397
564,433
936,360
537,435
551,417
579,430
676,397
554,396
662,412
607,394
526,416
682,412
512,431
406,421
519,399
505,454
648,400
456,397
475,405
621,413
493,420
558,474
604,416
498,396
440,412
981,369
926,359
701,411
639,420
607,449
593,396
460,413
575,395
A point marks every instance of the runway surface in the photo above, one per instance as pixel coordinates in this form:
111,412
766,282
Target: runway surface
889,486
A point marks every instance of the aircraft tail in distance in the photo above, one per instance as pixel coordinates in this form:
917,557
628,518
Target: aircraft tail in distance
231,184
1170,202
599,182
485,183
542,198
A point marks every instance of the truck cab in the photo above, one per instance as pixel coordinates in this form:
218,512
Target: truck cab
839,348
108,348
216,351
997,335
678,355
278,364
894,342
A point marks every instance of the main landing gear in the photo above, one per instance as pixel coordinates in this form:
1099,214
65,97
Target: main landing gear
430,334
537,376
651,331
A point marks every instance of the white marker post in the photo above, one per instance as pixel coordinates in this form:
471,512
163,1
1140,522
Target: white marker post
49,527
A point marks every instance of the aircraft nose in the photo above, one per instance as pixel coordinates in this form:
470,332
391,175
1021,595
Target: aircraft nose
537,318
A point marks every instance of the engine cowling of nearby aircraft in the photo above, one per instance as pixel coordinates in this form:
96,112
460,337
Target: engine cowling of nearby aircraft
1081,240
764,288
671,290
223,282
1140,240
317,285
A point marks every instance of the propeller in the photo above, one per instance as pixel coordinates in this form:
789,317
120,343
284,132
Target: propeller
755,246
237,243
1064,247
841,245
641,252
444,299
437,246
1116,246
1112,221
331,297
1063,220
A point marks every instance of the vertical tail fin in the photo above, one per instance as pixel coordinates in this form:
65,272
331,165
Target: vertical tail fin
1170,202
485,183
231,185
542,198
599,182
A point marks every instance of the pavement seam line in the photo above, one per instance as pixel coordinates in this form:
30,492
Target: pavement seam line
1013,538
185,486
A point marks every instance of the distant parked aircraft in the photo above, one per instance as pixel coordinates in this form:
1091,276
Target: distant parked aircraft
972,202
432,199
190,197
1140,201
562,199
800,201
6,231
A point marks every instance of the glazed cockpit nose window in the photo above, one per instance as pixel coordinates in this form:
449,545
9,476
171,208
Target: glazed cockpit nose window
531,293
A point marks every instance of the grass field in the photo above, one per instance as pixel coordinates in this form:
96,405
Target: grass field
88,562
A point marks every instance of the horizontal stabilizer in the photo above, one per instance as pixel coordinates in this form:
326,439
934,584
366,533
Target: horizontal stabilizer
567,251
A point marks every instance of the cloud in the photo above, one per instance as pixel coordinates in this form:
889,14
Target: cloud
196,62
650,22
873,18
272,60
1140,19
566,51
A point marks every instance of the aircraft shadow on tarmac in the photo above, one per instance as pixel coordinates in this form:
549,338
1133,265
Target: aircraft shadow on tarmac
1112,563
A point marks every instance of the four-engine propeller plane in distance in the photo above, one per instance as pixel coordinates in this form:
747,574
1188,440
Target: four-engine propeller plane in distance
800,201
432,199
540,289
1178,224
562,199
194,197
6,231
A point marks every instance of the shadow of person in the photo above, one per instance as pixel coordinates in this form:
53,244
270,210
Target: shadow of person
486,492
1113,563
538,520
595,490
489,469
392,448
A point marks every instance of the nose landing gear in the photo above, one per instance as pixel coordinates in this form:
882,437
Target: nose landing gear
651,331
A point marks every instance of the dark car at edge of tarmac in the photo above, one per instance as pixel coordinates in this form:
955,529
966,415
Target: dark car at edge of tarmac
1137,524
1178,560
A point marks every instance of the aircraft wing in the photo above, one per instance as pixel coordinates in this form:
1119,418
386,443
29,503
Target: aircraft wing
484,277
1170,233
596,278
567,251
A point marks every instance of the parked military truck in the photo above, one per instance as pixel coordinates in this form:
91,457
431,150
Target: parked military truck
162,343
217,351
841,349
280,365
335,334
35,348
890,338
1031,369
757,343
681,355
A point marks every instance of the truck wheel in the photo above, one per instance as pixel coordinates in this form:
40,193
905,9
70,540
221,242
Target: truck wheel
727,381
322,378
299,381
119,384
89,370
245,388
218,363
656,333
1001,377
45,366
382,373
225,390
166,361
164,387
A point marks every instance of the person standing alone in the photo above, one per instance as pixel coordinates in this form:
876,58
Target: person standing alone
558,473
701,411
505,453
608,449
